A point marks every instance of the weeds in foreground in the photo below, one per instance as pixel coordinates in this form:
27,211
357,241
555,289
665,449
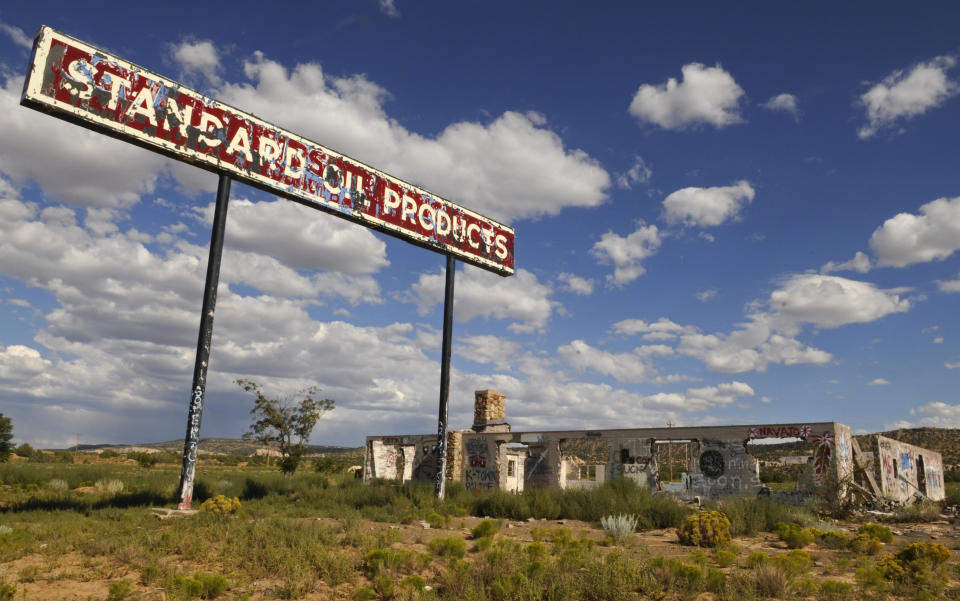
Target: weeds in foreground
276,539
619,527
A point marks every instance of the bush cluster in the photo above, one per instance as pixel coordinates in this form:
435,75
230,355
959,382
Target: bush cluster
221,505
707,529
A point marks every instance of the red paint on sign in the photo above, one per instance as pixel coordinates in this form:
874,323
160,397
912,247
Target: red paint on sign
83,84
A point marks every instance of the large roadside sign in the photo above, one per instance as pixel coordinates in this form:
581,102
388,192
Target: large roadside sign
83,84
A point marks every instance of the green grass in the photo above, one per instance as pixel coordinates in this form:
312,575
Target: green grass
275,537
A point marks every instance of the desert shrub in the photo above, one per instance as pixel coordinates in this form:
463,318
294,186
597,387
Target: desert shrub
221,505
364,593
834,539
414,582
794,535
771,580
118,591
484,528
213,585
835,590
873,580
436,520
923,556
482,544
794,563
448,547
7,591
748,516
725,558
58,485
756,558
145,460
807,586
925,511
382,565
619,527
877,531
707,529
112,486
864,543
183,588
383,587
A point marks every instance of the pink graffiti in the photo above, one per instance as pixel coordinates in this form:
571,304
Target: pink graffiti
822,455
779,432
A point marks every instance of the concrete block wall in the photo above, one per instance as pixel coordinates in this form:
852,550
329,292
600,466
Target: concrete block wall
906,472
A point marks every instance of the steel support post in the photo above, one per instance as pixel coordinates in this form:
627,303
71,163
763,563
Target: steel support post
198,390
445,379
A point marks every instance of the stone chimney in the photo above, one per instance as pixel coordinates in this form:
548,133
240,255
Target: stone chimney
489,411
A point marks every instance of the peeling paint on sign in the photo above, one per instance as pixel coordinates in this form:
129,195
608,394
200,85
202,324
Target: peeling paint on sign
83,84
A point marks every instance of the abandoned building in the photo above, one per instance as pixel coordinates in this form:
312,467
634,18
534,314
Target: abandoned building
714,461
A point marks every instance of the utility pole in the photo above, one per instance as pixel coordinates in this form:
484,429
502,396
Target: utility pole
670,452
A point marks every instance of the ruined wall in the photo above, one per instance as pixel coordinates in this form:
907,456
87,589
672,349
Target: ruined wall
481,463
844,460
723,468
906,472
543,467
454,455
408,457
383,460
633,458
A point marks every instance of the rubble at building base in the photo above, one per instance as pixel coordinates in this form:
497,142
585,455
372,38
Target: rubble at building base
718,461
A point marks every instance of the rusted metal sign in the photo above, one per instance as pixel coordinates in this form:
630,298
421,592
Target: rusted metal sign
83,84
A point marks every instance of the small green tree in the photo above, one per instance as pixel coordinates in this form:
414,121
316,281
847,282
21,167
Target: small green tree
285,421
6,435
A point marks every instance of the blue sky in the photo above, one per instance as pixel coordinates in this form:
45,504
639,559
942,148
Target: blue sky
723,215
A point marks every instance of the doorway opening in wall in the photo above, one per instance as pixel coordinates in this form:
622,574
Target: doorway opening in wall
785,464
400,462
921,476
584,461
673,458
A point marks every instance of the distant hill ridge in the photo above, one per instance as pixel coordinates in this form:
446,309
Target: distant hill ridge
216,446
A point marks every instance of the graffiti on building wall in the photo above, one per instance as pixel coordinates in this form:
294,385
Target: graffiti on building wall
779,432
481,468
822,455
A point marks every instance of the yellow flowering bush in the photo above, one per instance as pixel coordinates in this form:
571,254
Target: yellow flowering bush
221,505
707,529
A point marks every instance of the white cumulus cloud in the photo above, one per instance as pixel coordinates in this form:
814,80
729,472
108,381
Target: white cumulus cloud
530,306
904,95
859,263
908,238
785,103
576,284
487,167
705,207
705,95
17,35
938,415
81,167
949,285
627,253
831,301
198,58
639,173
878,382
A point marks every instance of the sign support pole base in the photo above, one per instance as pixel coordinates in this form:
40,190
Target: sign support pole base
198,390
445,378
